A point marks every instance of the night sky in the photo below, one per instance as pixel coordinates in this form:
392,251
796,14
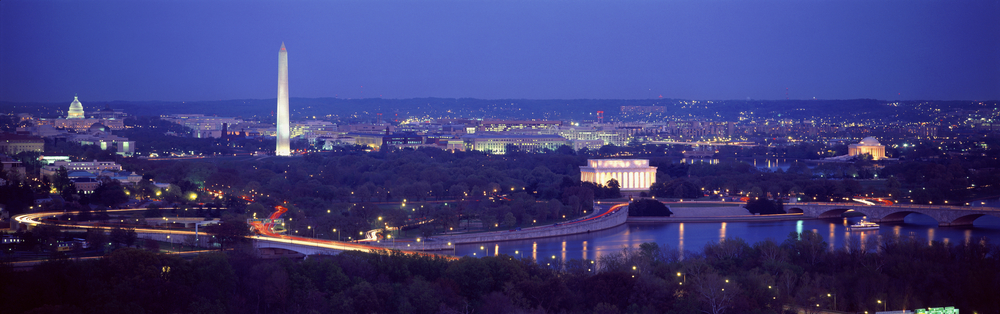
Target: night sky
697,49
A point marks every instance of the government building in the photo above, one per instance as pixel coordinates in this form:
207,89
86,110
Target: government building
76,119
633,175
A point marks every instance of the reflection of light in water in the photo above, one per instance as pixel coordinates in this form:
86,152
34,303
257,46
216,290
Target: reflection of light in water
628,236
680,242
863,244
722,232
584,250
968,236
798,228
930,236
878,248
833,227
895,230
700,160
946,240
534,250
564,250
496,250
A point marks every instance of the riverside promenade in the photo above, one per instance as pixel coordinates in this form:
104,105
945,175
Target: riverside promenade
600,220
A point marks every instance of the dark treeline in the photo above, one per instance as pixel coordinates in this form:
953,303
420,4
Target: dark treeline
728,277
350,191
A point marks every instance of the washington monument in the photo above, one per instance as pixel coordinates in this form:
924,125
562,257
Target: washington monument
282,125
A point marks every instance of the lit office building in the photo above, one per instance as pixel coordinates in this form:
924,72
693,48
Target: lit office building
497,143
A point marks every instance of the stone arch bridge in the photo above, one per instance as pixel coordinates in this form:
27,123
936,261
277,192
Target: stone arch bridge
945,215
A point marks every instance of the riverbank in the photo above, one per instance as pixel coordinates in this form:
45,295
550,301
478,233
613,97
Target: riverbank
711,214
596,222
779,217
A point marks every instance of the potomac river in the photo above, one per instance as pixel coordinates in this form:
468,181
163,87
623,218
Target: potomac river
692,236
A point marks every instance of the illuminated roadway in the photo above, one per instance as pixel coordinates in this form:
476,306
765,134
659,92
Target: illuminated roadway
282,241
267,238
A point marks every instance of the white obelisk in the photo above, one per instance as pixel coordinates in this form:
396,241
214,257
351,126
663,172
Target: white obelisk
282,125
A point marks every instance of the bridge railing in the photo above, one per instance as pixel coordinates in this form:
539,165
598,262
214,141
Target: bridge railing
914,206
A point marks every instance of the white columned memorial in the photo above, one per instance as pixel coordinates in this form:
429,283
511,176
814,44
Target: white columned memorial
633,175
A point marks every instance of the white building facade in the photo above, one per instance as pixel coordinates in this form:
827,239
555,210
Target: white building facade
631,174
868,145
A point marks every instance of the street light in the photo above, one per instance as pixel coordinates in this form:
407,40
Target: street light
884,305
338,233
834,296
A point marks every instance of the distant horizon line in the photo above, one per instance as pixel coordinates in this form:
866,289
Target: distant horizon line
529,99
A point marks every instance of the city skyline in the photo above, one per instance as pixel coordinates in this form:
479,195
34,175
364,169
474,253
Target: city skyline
108,50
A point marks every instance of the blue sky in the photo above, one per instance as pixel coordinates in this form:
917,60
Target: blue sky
697,49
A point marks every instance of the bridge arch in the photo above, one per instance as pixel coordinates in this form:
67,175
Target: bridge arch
835,213
967,220
899,216
794,210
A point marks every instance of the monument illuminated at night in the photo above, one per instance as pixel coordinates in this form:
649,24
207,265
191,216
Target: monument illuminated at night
282,131
868,145
75,109
632,174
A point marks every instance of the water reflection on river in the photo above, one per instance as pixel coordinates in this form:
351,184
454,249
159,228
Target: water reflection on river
693,236
772,164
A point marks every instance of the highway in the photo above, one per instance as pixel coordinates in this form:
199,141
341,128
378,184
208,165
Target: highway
38,219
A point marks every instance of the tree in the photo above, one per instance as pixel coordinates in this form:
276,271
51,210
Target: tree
230,232
62,183
764,206
806,246
17,196
892,187
151,245
120,236
715,292
96,238
615,188
648,207
509,220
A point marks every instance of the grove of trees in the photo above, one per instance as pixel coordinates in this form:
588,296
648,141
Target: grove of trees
800,273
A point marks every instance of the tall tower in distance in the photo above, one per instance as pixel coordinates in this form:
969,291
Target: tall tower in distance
281,148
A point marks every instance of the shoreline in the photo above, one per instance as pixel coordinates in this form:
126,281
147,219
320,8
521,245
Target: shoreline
662,219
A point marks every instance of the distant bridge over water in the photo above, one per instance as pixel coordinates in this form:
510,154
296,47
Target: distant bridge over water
945,215
695,144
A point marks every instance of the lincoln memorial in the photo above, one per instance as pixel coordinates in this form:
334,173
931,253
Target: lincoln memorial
632,174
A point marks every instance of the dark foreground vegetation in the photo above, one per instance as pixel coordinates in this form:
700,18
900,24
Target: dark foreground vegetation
729,277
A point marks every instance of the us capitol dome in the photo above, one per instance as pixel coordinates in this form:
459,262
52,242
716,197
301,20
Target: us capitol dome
75,109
